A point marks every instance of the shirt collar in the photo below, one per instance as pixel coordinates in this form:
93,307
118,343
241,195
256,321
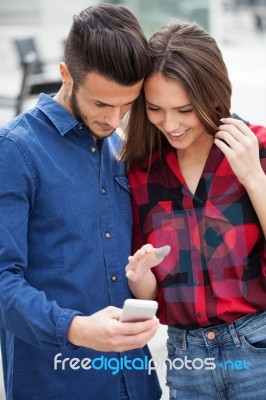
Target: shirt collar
60,117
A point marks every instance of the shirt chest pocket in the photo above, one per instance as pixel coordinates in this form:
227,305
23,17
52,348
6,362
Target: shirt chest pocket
123,193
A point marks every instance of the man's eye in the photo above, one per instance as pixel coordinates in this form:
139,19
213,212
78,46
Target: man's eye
99,105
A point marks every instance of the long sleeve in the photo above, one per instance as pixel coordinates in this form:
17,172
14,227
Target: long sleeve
24,310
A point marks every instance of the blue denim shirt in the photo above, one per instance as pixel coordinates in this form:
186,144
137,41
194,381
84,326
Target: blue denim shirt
65,235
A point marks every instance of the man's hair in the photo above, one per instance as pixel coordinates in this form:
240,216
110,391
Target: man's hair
107,39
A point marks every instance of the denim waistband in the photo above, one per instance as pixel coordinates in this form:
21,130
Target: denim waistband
214,335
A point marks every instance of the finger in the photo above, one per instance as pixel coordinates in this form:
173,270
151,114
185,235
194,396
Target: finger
238,129
239,124
223,147
229,138
239,142
146,336
148,248
233,131
139,254
130,261
131,275
136,341
135,328
133,263
115,312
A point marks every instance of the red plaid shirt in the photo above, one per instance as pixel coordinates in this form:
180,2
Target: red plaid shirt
216,270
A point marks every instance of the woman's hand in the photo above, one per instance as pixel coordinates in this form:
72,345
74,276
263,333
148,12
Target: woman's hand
141,262
240,146
144,259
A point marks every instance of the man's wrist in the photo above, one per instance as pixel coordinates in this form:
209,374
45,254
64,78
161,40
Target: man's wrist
74,331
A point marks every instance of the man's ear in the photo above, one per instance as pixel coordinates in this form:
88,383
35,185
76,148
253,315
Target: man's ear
65,75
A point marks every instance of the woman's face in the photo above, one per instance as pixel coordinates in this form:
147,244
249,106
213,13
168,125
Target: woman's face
169,109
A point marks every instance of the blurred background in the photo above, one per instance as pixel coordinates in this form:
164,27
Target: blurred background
32,35
32,38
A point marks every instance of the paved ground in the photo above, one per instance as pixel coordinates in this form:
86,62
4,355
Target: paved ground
245,54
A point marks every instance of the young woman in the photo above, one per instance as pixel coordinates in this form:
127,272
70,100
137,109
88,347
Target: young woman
197,175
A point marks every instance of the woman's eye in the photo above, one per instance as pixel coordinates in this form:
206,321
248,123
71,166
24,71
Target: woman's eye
186,111
152,108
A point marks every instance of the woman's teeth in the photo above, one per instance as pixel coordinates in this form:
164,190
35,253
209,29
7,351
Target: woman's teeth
176,134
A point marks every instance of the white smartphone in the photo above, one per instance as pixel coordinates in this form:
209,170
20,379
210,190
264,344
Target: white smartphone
138,310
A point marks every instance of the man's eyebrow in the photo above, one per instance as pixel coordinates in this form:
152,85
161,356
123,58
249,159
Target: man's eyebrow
110,105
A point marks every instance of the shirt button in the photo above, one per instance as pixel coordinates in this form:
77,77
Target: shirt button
114,278
211,335
190,213
93,149
107,235
194,248
80,126
197,283
103,190
199,315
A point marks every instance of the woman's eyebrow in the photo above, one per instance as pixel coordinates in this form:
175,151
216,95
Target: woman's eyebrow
155,105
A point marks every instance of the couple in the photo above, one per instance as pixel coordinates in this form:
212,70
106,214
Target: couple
198,184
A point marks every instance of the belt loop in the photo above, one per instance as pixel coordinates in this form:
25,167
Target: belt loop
184,342
234,335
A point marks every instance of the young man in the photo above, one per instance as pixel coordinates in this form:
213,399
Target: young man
66,226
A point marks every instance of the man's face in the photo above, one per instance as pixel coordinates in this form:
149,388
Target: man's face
100,103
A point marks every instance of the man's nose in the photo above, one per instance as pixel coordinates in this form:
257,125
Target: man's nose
114,118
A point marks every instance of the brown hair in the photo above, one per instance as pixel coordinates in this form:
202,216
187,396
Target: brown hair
107,39
188,54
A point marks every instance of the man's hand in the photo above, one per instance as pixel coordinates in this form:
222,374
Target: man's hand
103,331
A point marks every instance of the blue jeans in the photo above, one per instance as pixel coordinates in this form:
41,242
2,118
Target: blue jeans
224,362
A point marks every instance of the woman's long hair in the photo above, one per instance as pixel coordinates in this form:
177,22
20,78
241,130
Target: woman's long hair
187,54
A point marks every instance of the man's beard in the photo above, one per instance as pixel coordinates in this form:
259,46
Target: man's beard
78,115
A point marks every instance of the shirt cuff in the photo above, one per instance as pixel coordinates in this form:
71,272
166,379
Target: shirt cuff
63,324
